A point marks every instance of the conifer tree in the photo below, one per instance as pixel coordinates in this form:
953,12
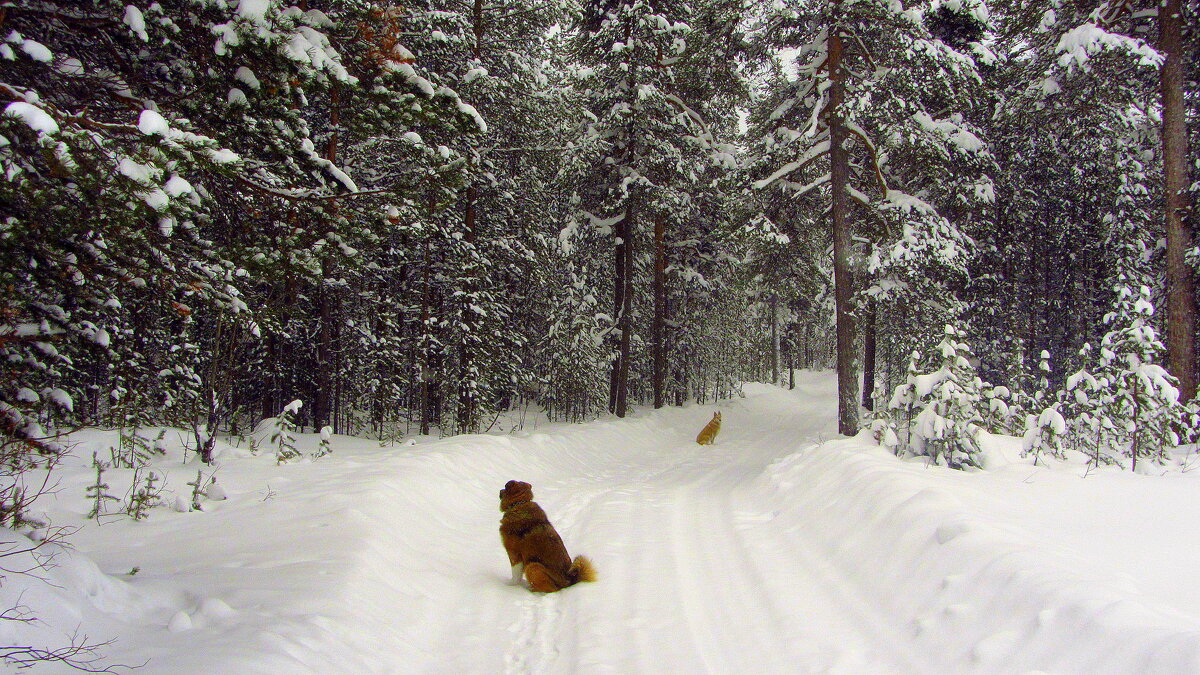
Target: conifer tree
946,409
831,139
1144,396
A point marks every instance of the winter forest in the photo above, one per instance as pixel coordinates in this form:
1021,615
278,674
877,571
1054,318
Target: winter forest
384,220
420,215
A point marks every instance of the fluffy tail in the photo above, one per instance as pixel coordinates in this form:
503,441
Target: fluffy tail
581,570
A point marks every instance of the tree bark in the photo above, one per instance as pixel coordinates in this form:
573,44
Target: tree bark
625,322
620,281
658,328
869,348
425,368
1181,308
324,379
775,356
467,413
838,184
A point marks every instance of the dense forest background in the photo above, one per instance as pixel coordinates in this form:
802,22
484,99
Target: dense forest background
415,216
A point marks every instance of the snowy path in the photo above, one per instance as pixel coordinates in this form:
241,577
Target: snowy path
763,554
709,585
694,577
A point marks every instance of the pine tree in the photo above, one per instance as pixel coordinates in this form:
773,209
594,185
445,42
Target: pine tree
144,494
1144,396
97,492
939,414
836,137
281,428
1087,403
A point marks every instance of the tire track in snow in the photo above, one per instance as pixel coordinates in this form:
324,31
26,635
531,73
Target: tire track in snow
694,577
701,566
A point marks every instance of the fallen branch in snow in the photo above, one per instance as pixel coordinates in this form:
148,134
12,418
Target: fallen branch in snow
79,654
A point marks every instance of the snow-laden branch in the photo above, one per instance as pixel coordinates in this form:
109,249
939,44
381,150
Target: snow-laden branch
1081,43
813,153
874,154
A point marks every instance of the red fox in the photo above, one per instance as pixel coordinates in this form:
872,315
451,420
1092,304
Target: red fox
535,550
709,433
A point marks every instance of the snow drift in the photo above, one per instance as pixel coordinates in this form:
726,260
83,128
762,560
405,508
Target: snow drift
773,550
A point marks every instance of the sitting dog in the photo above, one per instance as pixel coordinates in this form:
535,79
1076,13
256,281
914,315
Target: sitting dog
534,548
709,433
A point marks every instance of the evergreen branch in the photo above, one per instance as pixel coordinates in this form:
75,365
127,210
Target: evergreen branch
814,153
857,131
24,8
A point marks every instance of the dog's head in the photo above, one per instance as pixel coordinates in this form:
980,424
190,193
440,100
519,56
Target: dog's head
515,492
717,416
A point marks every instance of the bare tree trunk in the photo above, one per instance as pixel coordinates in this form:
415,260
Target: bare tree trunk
626,319
324,378
425,372
869,348
467,413
792,368
325,310
620,281
1181,308
658,329
838,184
775,356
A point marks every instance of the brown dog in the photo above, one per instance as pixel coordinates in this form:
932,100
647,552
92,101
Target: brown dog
535,550
709,433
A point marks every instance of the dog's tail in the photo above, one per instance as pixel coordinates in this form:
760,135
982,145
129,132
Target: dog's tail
581,570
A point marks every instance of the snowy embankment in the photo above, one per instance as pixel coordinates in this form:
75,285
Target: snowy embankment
775,550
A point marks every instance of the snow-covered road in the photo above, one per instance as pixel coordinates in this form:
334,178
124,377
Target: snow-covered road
773,551
694,578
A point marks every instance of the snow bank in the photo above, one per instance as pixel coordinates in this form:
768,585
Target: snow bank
985,597
770,551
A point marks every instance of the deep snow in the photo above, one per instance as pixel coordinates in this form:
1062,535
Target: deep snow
779,550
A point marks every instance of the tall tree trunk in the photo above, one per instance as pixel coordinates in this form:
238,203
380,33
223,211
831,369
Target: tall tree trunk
1181,308
325,310
838,183
620,282
625,322
792,367
775,356
868,394
658,329
467,413
324,375
425,372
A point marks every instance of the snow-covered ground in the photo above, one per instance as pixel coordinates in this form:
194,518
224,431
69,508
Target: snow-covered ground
777,550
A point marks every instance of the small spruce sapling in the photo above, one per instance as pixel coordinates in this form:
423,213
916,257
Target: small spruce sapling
948,403
1086,403
214,491
197,490
893,424
98,492
133,450
998,411
281,434
324,448
1145,398
1045,431
159,446
145,494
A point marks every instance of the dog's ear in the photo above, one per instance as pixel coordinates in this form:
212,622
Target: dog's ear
509,485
